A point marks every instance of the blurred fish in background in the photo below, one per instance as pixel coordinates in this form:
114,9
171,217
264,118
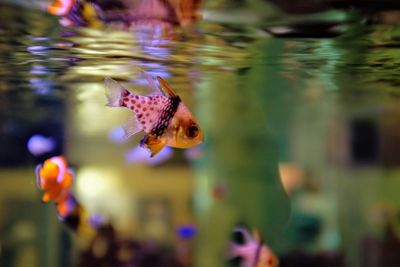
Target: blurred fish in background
54,178
128,12
105,247
61,7
252,250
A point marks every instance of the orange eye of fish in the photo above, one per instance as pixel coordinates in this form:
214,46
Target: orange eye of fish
192,131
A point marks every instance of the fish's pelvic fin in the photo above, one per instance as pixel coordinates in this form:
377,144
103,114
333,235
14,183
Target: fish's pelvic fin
46,197
114,92
153,143
131,128
62,209
166,87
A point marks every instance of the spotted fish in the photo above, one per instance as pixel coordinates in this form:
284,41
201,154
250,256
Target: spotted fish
162,115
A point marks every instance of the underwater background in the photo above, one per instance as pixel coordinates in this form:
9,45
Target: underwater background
298,102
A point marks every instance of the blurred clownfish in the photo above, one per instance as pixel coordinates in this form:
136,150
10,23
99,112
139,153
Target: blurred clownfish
253,251
54,177
75,13
60,7
164,118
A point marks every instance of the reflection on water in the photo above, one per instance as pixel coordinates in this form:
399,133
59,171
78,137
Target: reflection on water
300,116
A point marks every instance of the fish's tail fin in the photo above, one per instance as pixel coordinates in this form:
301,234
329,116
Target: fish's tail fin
115,92
234,250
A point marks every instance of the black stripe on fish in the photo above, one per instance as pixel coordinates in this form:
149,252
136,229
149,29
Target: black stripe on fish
166,115
73,219
258,252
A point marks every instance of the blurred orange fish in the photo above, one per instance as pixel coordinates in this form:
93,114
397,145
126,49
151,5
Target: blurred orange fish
60,7
254,252
162,116
54,177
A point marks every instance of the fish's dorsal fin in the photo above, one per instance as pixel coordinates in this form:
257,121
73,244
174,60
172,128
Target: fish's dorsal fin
166,87
152,143
257,235
131,128
154,89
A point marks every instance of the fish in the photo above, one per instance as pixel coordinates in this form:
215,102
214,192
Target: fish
60,7
253,251
162,115
54,178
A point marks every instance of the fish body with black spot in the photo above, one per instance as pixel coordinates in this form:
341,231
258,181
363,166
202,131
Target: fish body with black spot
163,116
253,251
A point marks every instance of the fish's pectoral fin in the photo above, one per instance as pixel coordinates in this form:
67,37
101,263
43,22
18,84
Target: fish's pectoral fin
61,209
131,128
166,87
72,173
46,197
152,143
38,180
